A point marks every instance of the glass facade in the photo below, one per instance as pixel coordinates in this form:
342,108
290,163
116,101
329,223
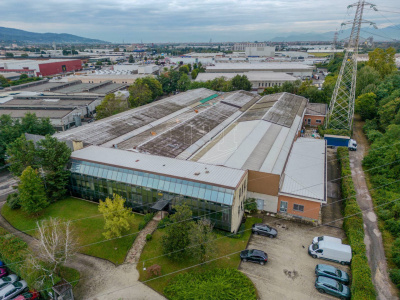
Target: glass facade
142,190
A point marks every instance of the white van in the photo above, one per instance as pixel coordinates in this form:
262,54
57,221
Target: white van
326,238
331,251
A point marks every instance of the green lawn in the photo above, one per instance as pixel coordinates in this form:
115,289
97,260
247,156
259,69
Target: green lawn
89,230
152,254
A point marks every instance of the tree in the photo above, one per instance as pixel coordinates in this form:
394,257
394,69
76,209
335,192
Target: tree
366,106
30,123
116,49
23,76
111,105
184,69
176,238
3,80
115,216
9,54
382,60
154,85
24,55
202,239
57,243
194,73
131,60
183,82
53,156
21,154
390,113
169,81
139,93
241,82
32,195
366,77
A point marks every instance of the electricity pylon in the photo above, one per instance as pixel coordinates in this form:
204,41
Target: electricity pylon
341,110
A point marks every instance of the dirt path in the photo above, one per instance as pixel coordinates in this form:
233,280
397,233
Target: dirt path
100,279
373,239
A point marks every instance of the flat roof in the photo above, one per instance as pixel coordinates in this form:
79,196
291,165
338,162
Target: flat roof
318,109
305,174
40,113
262,142
260,66
252,76
50,102
183,169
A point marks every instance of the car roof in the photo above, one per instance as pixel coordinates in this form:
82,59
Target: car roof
336,246
258,252
323,279
326,268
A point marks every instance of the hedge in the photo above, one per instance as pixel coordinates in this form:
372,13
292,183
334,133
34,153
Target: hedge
223,284
361,282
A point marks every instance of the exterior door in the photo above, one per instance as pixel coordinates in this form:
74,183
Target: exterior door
308,121
283,207
260,204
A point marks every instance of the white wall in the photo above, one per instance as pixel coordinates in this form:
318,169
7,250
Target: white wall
270,202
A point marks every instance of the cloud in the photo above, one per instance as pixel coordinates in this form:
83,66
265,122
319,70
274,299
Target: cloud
178,20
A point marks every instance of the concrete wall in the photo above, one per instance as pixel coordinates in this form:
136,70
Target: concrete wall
311,208
260,51
238,204
270,202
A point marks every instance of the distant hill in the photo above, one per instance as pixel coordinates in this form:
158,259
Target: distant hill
389,33
21,36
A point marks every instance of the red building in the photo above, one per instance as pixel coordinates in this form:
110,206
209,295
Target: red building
59,67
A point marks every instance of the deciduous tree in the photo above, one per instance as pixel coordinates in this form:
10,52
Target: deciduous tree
115,216
111,105
139,93
21,154
202,239
366,106
382,61
241,82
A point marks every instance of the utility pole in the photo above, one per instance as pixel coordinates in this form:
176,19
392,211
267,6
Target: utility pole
341,110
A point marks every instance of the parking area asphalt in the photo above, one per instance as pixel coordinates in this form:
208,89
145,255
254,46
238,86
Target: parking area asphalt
290,271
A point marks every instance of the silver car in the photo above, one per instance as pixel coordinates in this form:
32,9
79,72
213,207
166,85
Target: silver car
12,290
5,281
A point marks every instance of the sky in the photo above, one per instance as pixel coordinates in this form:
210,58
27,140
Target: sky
132,21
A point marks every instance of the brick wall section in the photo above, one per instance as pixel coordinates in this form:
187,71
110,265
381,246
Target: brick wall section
311,208
313,120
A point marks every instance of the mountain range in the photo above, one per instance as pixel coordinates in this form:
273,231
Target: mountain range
390,33
22,36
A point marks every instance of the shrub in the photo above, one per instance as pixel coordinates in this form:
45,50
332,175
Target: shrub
395,276
385,214
147,218
222,284
396,252
393,226
153,271
164,222
13,201
149,237
250,204
361,283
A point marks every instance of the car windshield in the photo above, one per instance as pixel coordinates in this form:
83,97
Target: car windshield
315,246
320,238
339,273
340,287
3,284
7,279
17,284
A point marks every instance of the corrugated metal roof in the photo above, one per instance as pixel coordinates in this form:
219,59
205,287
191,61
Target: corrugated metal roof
304,174
210,174
316,109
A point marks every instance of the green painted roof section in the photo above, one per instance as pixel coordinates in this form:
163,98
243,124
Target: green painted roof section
209,98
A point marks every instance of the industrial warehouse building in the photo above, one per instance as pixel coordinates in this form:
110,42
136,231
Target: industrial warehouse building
295,69
259,80
209,150
43,67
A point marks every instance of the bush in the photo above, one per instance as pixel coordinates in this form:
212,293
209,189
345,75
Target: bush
213,284
147,218
250,204
153,271
164,222
396,252
361,283
393,226
385,214
149,237
13,201
395,276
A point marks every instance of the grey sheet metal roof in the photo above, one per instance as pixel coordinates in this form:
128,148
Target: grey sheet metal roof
305,174
318,109
183,169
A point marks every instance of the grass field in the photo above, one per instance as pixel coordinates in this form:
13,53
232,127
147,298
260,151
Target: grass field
227,248
88,225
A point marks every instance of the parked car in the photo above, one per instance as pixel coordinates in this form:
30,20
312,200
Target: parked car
8,280
3,272
331,251
332,287
13,290
31,295
332,272
253,255
263,229
326,238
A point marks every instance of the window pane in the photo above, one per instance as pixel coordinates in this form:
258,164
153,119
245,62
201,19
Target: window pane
178,187
221,197
208,194
214,196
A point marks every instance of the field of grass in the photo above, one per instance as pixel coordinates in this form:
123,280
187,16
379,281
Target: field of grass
88,225
228,248
318,54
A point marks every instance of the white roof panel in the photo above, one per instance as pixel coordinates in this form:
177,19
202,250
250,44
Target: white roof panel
210,174
304,174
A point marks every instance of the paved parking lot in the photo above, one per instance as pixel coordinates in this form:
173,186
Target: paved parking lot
289,273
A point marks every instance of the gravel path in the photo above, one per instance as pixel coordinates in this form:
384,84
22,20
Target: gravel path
373,239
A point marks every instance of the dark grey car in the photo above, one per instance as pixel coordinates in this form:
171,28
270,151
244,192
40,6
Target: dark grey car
263,229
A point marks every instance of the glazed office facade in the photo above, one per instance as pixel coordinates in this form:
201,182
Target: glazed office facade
142,190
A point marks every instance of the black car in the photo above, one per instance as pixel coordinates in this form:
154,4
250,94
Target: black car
263,229
254,255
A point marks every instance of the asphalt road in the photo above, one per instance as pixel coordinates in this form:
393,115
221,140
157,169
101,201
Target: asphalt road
373,238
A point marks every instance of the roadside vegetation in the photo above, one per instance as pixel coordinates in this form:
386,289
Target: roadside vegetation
361,280
4,82
186,258
88,224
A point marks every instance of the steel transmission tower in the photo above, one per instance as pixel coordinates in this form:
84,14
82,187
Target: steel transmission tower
341,110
